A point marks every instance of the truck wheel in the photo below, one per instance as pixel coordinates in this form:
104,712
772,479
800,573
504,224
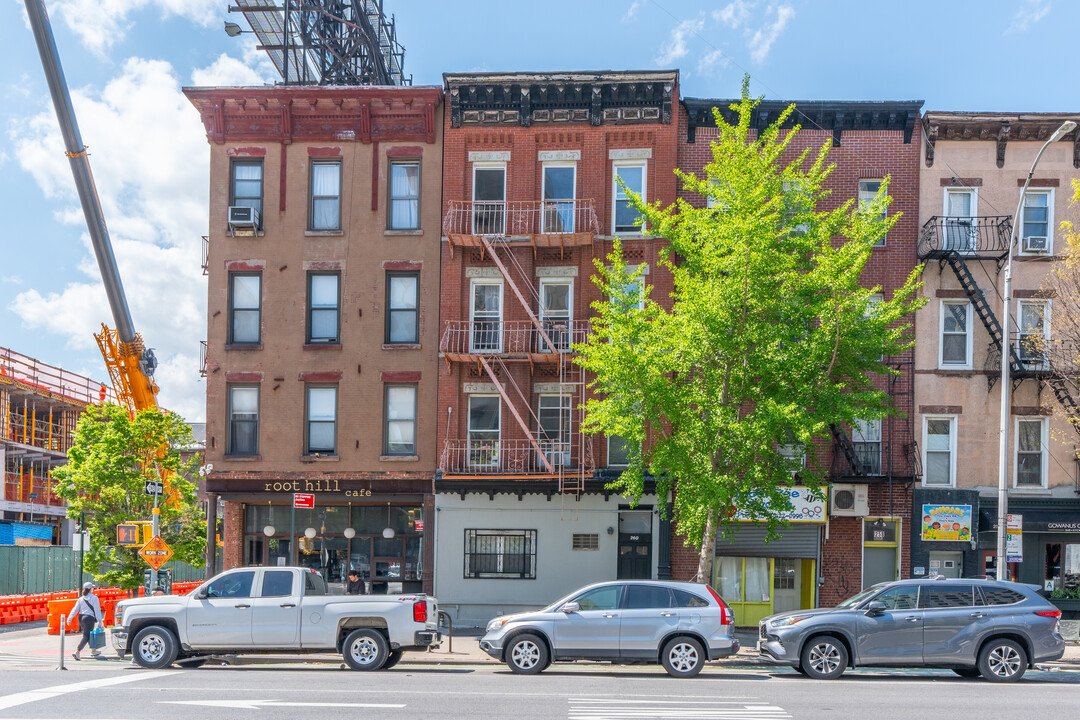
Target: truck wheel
683,657
527,654
824,658
1002,660
365,649
392,659
154,647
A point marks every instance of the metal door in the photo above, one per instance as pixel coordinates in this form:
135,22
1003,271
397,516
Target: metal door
895,637
276,612
592,631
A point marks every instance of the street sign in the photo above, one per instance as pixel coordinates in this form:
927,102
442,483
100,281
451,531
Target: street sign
156,553
154,487
127,534
418,525
1014,538
303,501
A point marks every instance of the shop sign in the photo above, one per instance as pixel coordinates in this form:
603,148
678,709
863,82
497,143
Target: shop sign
806,507
1014,538
946,523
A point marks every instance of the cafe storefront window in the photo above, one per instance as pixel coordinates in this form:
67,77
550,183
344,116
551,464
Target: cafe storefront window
382,542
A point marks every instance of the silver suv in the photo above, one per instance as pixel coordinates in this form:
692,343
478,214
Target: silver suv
973,627
680,625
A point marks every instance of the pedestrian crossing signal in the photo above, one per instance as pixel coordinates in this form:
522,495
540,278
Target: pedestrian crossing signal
128,534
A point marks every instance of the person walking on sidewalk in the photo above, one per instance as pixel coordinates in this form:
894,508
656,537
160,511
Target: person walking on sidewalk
88,610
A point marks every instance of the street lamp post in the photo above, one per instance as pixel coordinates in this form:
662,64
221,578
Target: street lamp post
1006,355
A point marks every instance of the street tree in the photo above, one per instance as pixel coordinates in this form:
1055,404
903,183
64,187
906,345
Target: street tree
112,458
727,388
1062,283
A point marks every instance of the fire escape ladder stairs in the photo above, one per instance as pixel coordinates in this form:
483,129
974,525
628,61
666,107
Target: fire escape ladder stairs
983,309
517,293
517,416
847,448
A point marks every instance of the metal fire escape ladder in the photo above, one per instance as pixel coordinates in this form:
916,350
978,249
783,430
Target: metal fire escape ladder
1061,391
517,416
847,448
983,309
517,293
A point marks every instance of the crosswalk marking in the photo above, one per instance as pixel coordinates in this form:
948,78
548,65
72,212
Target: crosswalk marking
622,709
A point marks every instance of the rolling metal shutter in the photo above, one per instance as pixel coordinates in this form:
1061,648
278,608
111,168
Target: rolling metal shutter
748,540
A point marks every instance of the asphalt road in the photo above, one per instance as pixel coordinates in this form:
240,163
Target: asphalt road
567,692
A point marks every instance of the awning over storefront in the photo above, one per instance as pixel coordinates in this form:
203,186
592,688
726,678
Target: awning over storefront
1045,520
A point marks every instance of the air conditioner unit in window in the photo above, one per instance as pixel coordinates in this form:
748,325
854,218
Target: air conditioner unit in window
241,216
849,501
1035,244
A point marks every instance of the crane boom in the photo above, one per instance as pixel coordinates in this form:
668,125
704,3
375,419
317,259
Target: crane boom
130,364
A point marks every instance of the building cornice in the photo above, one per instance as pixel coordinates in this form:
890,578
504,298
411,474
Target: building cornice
596,98
999,128
314,113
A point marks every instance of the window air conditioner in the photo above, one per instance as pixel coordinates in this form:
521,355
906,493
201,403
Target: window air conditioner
849,501
1035,244
241,216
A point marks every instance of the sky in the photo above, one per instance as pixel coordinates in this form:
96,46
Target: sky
127,60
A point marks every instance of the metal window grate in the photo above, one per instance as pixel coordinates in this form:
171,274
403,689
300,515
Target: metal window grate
500,554
586,541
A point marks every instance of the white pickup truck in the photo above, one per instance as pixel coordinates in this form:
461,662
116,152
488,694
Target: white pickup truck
273,610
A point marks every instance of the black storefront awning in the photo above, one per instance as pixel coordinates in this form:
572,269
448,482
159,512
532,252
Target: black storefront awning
1047,520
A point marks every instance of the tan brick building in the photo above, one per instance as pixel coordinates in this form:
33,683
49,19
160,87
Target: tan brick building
322,328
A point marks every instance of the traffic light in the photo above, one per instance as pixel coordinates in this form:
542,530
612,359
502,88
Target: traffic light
128,534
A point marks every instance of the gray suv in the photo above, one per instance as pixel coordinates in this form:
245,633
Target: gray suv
680,625
973,627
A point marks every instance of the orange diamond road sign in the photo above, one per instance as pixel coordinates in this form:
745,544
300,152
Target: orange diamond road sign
156,553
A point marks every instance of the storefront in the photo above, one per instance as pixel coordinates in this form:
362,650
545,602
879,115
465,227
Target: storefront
945,526
759,577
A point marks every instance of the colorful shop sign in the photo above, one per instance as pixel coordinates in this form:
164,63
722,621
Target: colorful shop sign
946,522
806,507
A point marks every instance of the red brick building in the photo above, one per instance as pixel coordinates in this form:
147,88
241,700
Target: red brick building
322,325
530,202
862,540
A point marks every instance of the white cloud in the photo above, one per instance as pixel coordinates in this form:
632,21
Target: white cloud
734,14
1029,13
11,279
631,12
676,47
762,40
709,63
150,157
101,23
227,71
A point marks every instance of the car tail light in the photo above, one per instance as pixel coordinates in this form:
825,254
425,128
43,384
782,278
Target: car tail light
726,616
419,611
1049,613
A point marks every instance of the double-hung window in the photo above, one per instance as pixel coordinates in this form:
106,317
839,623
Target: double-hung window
324,316
246,185
245,308
489,198
556,314
404,195
866,437
624,215
618,454
500,554
325,211
1037,223
484,431
400,420
1034,331
243,420
939,451
321,421
553,419
955,346
1031,443
485,316
868,190
960,226
403,308
558,213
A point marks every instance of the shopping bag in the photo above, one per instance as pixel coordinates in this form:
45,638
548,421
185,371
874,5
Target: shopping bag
97,639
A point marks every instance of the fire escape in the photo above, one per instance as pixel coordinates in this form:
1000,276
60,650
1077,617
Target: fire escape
503,232
956,241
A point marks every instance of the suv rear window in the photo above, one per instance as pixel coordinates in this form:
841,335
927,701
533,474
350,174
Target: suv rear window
996,595
946,596
688,599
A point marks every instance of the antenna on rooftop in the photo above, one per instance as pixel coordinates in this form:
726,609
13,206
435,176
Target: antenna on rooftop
326,42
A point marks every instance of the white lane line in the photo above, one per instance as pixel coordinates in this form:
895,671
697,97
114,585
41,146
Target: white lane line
10,701
256,704
625,709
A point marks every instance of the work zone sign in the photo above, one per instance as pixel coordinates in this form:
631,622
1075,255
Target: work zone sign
156,553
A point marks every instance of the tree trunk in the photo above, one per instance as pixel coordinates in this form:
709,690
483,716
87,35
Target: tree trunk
708,551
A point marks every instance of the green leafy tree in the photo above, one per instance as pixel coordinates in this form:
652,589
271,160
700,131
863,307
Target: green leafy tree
112,457
769,337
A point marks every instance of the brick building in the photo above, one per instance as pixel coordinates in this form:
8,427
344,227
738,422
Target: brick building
872,468
322,325
530,201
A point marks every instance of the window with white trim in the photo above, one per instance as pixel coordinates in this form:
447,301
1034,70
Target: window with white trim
939,450
954,349
866,437
243,420
484,431
624,217
553,428
489,198
485,316
959,226
559,181
321,421
1031,440
1033,319
618,453
499,554
868,190
1037,223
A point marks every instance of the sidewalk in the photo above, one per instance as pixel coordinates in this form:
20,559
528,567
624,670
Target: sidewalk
34,646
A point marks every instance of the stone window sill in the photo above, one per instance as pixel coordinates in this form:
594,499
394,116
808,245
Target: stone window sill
244,346
324,233
399,458
319,458
322,346
416,233
242,458
401,346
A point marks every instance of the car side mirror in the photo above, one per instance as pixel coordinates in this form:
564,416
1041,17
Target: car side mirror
876,607
570,607
202,595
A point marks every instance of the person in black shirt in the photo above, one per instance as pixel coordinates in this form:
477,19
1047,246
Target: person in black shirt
356,585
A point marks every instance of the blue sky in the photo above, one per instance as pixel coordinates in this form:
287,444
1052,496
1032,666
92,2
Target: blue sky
126,61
